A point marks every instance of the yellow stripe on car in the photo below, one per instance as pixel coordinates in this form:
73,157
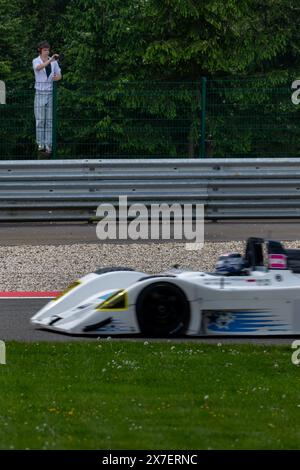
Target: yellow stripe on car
67,290
116,302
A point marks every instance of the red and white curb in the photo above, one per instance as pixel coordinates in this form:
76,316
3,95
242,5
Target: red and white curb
28,295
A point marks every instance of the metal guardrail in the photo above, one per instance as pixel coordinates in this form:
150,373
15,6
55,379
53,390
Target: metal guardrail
72,189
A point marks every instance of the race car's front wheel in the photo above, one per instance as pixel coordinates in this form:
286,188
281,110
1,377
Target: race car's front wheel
162,310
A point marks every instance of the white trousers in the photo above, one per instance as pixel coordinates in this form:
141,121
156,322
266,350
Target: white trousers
43,117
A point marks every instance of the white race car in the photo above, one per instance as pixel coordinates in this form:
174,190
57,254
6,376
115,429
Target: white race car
254,294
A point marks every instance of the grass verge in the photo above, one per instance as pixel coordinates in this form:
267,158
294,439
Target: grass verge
152,395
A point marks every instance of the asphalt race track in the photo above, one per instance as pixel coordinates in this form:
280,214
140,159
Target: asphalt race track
67,234
15,325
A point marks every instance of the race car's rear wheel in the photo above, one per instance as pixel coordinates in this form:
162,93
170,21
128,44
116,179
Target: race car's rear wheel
111,269
162,309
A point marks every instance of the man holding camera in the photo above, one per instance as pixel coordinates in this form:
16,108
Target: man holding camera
46,70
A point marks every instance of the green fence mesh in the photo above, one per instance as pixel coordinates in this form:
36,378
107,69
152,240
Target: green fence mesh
105,120
17,125
251,118
224,118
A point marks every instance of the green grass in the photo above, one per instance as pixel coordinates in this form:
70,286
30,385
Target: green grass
129,395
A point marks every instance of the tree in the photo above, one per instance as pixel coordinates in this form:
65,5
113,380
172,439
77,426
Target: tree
132,72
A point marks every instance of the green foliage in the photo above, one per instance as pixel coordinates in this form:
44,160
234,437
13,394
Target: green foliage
123,63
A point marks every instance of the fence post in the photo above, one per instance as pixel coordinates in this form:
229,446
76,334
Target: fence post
203,116
54,120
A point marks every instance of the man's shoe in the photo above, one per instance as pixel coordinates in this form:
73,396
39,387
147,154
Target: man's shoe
48,150
41,148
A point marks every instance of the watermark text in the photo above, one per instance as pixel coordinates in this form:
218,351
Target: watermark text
2,353
157,222
2,92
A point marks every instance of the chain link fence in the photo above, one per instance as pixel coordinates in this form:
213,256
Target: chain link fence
207,118
251,118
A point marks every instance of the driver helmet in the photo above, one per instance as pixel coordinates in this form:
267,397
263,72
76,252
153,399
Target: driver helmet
230,264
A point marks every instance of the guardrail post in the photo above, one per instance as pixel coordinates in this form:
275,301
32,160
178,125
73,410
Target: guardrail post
203,116
54,120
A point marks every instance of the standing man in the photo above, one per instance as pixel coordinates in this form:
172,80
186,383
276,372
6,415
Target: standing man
46,70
